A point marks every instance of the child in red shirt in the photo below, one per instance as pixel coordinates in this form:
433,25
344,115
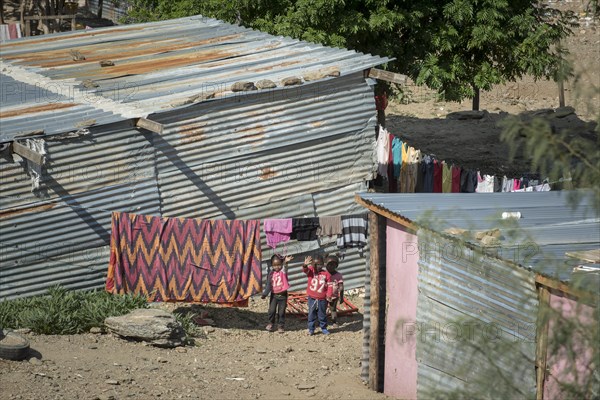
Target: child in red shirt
316,291
277,287
335,288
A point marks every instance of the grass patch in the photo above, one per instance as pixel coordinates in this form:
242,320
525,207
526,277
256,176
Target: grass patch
64,312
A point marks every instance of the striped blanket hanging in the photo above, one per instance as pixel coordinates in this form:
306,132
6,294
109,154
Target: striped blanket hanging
176,259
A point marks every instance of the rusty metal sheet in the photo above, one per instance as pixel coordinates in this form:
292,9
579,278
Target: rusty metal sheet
160,64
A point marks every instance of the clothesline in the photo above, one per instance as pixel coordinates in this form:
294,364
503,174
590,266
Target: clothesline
407,170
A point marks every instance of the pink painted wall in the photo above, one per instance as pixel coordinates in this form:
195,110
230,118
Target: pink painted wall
400,377
562,370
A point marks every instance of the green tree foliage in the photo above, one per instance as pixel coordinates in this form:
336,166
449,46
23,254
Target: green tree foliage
454,46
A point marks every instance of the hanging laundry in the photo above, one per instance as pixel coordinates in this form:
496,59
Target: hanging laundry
427,168
545,187
437,176
468,181
177,259
403,181
420,183
516,184
392,180
383,149
34,170
304,229
456,174
277,231
497,184
414,159
354,231
10,31
446,178
330,226
485,183
397,155
506,184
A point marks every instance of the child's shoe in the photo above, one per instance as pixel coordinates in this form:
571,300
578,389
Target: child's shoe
310,333
325,331
280,329
269,328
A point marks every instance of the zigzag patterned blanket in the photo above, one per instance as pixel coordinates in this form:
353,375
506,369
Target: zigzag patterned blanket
176,259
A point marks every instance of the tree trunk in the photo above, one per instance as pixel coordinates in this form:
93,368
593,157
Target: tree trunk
561,93
2,12
100,5
476,98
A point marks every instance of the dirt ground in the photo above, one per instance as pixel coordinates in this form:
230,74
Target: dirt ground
237,359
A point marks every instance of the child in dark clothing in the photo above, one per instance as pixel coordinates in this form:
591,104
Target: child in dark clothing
277,286
316,292
335,288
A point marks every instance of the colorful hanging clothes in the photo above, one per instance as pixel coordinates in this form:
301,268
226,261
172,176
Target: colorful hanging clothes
392,180
497,184
414,158
277,231
304,229
427,168
354,231
177,259
407,153
437,176
383,148
419,183
468,181
516,184
330,226
456,174
485,183
446,178
397,156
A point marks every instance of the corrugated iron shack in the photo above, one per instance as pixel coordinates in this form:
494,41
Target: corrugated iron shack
467,291
183,118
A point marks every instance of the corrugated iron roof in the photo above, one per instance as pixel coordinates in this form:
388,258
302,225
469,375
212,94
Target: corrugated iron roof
28,106
550,224
157,67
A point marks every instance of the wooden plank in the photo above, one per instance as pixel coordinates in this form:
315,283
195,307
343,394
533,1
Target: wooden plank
565,288
591,256
387,76
27,153
387,214
541,351
147,124
374,309
377,234
45,17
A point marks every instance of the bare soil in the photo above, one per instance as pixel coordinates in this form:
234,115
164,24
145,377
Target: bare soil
238,358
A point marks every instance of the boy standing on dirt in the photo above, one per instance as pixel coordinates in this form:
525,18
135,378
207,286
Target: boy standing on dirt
316,291
335,288
277,287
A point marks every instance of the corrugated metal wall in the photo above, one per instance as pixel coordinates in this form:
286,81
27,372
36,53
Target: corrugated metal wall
476,323
249,157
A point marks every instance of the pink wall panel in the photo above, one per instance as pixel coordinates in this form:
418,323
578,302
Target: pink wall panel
561,368
400,378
